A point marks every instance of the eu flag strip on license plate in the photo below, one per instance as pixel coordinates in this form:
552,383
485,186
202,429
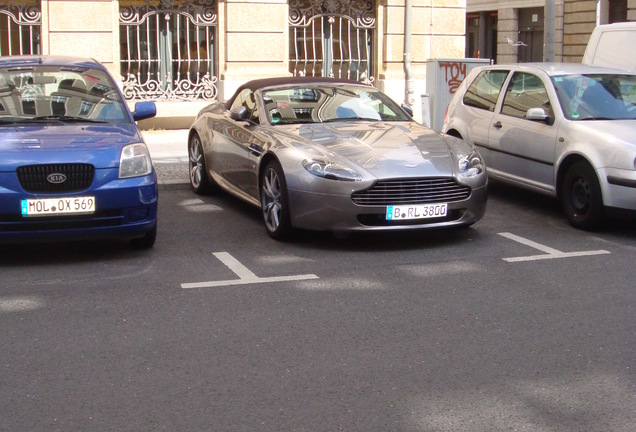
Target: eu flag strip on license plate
423,211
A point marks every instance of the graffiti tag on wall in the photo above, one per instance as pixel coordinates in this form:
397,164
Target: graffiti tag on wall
455,72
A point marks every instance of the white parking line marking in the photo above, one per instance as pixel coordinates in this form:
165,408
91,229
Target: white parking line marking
197,205
234,265
21,304
246,276
550,253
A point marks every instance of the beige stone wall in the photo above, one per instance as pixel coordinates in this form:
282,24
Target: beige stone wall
254,36
507,27
438,32
579,21
631,10
508,24
85,28
558,37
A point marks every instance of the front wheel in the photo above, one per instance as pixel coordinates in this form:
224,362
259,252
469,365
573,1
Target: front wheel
582,197
199,180
274,201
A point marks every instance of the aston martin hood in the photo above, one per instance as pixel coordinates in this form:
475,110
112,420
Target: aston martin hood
393,149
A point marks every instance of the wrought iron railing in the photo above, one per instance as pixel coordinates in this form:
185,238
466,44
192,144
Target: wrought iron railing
20,27
168,49
332,38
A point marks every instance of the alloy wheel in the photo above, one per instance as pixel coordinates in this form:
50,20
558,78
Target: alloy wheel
271,200
196,163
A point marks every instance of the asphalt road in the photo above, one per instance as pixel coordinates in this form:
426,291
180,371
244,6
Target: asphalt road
518,323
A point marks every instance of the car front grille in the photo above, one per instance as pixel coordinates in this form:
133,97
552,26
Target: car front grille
411,191
36,178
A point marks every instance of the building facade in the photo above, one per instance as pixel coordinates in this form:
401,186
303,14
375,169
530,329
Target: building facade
511,31
185,54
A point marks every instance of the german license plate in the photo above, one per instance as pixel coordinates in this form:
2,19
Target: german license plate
422,211
58,206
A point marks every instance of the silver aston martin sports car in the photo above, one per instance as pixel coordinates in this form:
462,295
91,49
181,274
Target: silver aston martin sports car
325,154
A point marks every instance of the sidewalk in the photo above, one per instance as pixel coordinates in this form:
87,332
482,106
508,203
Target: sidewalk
169,153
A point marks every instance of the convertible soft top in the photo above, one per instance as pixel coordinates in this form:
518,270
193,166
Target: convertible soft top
285,81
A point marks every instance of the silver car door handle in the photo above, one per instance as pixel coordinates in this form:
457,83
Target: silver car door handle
497,125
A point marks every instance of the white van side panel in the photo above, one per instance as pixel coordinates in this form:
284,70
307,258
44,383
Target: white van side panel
612,46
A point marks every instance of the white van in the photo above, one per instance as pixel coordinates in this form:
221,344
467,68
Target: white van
612,45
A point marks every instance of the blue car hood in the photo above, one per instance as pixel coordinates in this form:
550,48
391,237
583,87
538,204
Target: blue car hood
99,145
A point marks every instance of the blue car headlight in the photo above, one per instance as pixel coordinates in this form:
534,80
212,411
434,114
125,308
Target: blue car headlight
471,165
134,161
330,170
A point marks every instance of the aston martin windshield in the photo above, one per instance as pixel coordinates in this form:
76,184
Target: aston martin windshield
597,97
329,103
57,94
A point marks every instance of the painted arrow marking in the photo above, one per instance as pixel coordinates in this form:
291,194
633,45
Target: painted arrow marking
550,253
246,276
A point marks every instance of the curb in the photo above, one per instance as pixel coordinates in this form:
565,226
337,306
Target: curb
168,185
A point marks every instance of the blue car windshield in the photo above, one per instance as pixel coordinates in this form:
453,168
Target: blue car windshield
58,94
597,96
326,103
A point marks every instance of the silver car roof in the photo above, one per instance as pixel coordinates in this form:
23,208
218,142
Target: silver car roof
552,69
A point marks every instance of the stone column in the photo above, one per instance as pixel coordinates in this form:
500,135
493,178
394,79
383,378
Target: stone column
507,29
631,10
579,21
86,28
438,31
254,40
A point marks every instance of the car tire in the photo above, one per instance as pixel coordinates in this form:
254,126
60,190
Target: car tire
582,197
274,201
197,170
147,241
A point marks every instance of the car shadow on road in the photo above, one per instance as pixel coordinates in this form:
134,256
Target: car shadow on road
388,241
346,240
505,199
65,252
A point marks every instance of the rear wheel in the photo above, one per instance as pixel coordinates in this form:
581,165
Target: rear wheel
582,197
199,180
274,201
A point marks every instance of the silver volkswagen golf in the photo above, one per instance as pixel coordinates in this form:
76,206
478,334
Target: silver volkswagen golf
566,130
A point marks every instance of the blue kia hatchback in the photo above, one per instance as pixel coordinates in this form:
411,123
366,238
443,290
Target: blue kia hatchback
73,164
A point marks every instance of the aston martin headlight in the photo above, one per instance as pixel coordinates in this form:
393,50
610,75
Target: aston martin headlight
330,170
471,165
134,161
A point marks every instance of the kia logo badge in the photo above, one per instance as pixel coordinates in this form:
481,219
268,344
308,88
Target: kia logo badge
56,178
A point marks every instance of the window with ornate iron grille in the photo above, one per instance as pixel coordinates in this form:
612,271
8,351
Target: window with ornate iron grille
332,38
20,27
168,49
